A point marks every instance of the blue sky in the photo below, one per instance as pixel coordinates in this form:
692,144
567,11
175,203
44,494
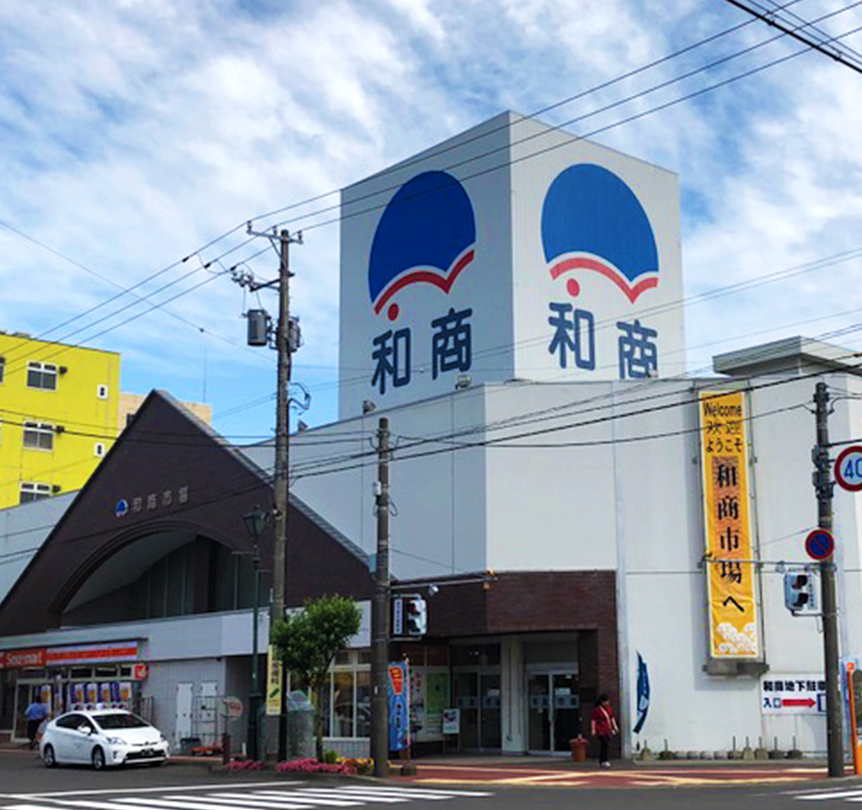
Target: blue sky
134,132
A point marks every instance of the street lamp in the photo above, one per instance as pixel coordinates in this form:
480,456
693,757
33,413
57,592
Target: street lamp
255,523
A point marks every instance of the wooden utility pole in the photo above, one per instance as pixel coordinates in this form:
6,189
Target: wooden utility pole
380,612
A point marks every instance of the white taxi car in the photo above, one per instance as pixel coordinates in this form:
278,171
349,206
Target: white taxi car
102,738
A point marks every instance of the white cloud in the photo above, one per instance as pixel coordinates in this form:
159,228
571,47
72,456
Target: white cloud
134,132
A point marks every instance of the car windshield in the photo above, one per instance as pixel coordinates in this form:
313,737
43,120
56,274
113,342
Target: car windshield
120,720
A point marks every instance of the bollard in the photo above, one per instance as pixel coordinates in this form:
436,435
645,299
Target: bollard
579,749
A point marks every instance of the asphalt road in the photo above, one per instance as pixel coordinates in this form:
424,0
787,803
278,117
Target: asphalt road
25,784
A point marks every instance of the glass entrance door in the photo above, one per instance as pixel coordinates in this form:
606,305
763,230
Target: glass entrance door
554,710
477,695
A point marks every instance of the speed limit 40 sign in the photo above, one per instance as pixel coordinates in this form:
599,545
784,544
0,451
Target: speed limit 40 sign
848,468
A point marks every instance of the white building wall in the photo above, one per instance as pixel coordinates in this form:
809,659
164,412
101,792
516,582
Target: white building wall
23,529
437,482
623,502
539,154
549,508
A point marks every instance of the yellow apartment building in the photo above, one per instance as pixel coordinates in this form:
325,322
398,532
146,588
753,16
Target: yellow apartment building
58,416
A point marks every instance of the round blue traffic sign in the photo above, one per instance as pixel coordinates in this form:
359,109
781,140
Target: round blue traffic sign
848,468
819,544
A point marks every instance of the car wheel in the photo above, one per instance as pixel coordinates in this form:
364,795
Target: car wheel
98,759
48,756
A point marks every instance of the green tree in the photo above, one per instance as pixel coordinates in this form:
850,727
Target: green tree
307,642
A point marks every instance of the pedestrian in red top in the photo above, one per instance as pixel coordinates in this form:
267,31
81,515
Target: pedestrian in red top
604,726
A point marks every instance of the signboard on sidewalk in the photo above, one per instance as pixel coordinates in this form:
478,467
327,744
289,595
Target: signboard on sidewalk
273,683
793,694
399,706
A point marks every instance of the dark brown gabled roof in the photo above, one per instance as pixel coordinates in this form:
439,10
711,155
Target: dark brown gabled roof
169,471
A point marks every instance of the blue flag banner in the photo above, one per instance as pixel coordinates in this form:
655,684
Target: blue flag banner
643,694
399,706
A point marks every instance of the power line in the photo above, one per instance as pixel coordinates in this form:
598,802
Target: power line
546,109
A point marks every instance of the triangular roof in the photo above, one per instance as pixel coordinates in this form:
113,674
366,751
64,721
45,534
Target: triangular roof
168,472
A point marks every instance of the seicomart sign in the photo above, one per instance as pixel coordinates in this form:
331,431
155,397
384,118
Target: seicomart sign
511,251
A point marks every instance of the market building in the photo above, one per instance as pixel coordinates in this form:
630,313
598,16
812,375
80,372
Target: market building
580,516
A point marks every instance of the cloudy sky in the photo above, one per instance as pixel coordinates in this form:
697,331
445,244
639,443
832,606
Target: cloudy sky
135,134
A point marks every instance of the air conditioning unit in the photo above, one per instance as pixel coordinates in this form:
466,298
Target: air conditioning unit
63,369
59,429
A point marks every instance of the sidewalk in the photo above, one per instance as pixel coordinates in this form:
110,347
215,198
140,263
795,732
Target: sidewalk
528,771
547,771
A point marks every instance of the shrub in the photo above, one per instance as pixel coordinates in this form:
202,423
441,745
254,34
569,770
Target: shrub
361,766
330,757
313,766
246,765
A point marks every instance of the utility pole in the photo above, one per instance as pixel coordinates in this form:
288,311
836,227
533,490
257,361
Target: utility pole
824,486
380,612
286,342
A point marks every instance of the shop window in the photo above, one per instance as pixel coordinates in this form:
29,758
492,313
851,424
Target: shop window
30,492
363,703
81,672
476,655
38,435
343,704
42,375
106,672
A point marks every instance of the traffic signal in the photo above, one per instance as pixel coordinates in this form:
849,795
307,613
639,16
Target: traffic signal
416,616
799,592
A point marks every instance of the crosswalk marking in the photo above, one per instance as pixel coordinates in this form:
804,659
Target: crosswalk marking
847,795
323,797
185,803
424,791
291,799
296,798
56,794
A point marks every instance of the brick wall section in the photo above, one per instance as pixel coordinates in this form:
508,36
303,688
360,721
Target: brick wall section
542,601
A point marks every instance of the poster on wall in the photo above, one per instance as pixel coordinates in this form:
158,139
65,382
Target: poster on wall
732,603
451,721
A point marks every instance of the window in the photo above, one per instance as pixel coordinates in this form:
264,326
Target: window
38,435
34,492
99,449
42,375
2,367
71,721
102,392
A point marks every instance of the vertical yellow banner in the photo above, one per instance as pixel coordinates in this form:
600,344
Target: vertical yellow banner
273,683
733,625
